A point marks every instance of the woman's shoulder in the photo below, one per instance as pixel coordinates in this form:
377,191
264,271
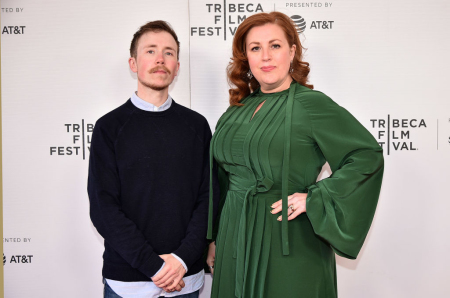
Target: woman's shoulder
313,99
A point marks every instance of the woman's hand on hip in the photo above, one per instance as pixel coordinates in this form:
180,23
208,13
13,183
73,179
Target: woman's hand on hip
296,205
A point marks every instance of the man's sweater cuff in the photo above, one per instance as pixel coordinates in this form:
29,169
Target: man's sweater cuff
152,266
186,255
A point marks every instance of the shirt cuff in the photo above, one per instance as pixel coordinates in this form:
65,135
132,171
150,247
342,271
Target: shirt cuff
180,260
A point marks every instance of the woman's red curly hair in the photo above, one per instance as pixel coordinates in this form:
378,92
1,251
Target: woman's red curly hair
238,67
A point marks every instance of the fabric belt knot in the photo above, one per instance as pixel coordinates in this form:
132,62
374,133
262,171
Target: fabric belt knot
262,185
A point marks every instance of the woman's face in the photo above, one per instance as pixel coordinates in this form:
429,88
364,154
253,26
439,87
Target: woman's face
269,56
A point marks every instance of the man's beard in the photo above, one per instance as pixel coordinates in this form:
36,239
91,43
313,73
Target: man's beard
154,86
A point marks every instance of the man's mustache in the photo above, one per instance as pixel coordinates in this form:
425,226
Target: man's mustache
161,67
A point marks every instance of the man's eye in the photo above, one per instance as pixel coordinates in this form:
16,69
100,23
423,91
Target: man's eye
150,51
169,53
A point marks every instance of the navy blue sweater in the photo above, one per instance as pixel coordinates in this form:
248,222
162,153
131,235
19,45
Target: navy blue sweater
148,188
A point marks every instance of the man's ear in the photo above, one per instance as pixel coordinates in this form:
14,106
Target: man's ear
178,68
133,64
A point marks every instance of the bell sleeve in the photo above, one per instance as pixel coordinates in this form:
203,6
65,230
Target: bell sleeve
341,207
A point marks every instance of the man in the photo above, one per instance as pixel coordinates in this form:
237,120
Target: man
149,180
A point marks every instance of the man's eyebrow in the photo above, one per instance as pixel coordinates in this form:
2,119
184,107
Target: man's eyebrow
169,48
154,46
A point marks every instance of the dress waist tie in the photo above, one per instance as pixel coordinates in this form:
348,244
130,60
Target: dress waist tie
261,186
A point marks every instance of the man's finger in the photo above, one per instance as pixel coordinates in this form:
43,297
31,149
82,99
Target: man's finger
178,287
168,283
169,286
174,279
162,282
157,278
175,282
173,287
165,280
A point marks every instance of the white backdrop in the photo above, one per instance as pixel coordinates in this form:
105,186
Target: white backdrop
64,64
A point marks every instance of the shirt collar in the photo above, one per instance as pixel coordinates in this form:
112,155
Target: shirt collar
146,106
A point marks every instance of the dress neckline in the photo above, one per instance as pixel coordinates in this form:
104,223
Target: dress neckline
260,93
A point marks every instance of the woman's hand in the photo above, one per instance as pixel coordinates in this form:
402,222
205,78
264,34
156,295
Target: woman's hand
296,205
211,256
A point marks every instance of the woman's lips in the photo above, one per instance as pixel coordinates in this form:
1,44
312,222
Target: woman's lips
267,68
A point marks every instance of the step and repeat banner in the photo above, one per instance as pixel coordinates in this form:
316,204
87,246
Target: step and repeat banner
64,64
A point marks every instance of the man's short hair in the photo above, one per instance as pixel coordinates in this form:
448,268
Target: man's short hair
154,26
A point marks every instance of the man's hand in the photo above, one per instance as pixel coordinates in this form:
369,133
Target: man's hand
170,275
178,287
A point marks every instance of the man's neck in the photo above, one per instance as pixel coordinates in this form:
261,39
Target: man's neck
156,98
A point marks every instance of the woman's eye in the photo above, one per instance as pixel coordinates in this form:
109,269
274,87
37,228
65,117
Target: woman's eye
276,46
255,49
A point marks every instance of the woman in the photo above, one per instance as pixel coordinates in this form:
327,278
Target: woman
279,229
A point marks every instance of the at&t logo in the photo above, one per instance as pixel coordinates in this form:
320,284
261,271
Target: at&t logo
13,29
300,22
18,259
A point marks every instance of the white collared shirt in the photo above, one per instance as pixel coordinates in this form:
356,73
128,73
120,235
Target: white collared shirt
146,106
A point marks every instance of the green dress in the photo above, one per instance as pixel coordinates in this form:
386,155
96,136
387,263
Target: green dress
281,150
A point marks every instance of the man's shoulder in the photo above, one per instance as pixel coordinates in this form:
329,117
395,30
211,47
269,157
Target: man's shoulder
195,121
190,115
117,116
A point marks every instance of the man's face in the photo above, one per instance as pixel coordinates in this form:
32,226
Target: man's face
156,62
